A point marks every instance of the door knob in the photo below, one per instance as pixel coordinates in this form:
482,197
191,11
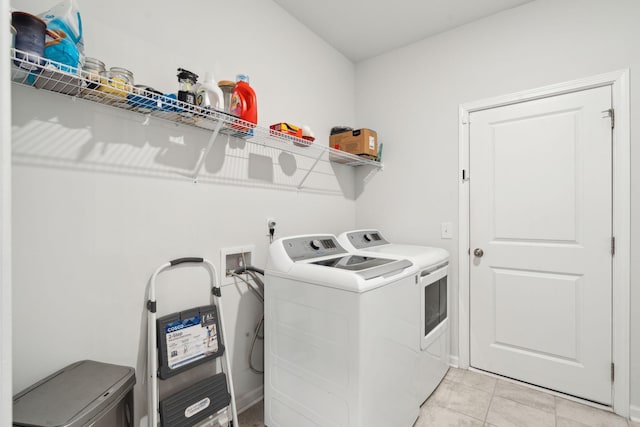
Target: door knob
478,252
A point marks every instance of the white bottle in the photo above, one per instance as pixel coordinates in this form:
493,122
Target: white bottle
209,94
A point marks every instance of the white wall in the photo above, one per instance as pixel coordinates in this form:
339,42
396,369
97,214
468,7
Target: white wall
100,200
5,226
411,96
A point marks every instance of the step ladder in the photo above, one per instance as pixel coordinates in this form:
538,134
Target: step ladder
181,341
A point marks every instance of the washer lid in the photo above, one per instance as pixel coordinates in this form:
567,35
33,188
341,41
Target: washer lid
365,266
367,242
423,256
353,262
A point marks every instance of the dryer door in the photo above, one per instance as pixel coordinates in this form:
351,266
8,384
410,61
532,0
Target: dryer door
433,304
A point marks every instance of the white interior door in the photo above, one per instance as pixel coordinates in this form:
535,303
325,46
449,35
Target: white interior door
540,210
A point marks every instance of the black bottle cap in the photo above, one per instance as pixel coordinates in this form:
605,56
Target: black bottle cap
187,75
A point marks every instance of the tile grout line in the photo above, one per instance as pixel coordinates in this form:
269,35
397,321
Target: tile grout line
529,405
453,382
461,413
493,393
484,421
518,402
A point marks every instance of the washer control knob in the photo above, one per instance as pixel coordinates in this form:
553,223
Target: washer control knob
368,237
315,244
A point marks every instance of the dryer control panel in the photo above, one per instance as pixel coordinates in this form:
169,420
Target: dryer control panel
308,247
366,238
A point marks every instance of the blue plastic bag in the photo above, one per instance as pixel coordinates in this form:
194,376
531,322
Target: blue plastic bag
64,19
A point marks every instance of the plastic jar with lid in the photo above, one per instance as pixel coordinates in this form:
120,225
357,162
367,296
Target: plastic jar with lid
119,83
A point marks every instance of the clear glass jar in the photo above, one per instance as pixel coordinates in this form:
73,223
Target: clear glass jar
93,67
92,70
119,81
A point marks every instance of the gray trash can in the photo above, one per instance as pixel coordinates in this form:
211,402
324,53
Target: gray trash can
82,394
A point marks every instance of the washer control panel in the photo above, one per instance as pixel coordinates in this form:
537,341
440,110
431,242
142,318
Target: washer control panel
302,248
366,239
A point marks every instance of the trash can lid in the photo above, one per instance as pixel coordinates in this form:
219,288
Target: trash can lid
72,395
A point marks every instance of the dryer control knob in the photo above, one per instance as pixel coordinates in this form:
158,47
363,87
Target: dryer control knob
315,244
368,237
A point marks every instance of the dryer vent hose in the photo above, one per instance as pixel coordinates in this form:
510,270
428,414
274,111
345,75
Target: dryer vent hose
257,287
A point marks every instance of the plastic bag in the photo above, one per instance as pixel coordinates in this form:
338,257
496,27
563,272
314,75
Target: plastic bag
64,19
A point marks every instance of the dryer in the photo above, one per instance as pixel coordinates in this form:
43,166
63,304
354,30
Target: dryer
431,294
338,336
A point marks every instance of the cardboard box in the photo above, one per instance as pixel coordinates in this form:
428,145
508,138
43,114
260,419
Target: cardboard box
361,142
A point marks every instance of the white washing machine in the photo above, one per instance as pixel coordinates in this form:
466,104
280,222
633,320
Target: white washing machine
338,337
433,340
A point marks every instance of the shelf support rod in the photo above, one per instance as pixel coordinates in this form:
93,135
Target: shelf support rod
310,170
371,174
205,153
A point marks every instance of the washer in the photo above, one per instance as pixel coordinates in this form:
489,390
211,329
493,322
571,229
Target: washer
338,336
433,340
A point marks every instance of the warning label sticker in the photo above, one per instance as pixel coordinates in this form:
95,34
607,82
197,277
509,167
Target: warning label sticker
189,340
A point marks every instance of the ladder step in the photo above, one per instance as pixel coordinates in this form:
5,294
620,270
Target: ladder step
195,403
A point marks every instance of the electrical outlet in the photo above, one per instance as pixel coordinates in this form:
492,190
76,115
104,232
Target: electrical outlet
446,230
232,258
271,228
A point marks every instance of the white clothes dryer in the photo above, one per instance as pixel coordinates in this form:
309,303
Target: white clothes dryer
338,335
433,341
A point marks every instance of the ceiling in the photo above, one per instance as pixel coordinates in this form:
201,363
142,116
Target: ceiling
361,29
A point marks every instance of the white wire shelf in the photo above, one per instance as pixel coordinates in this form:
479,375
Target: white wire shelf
43,74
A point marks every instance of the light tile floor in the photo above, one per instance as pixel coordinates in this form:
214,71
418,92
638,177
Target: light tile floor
470,399
252,417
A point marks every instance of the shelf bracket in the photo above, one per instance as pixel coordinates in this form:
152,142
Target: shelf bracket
205,153
304,178
370,175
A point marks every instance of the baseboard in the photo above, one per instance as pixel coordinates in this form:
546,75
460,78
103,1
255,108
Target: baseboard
249,399
453,361
634,413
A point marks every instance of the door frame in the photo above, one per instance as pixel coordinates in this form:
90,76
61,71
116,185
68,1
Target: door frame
6,354
619,82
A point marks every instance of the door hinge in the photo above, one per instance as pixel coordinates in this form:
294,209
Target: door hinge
613,372
613,246
465,175
610,113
